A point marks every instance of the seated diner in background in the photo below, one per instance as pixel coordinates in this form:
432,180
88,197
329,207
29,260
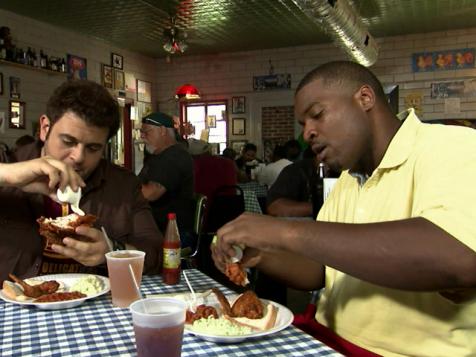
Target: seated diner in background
80,117
246,162
294,191
394,243
269,173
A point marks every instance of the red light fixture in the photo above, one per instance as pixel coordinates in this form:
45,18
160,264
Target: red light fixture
187,91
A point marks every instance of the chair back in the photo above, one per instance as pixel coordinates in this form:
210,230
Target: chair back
187,254
227,204
200,208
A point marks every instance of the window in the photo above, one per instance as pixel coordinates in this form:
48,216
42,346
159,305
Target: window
209,120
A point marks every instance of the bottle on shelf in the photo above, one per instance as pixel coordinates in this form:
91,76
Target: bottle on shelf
3,49
34,59
53,63
63,66
29,57
43,60
171,261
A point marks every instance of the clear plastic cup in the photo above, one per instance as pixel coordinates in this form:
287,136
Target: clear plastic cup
123,289
158,326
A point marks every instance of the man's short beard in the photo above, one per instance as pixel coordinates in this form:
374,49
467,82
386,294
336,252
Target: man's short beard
150,148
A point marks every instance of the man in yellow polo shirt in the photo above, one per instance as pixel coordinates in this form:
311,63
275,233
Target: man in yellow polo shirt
394,244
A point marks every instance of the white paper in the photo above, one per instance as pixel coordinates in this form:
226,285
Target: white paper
3,122
452,105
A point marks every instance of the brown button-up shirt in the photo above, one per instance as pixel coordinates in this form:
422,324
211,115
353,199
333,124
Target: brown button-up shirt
112,194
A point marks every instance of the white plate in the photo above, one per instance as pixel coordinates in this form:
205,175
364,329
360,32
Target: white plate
284,319
68,280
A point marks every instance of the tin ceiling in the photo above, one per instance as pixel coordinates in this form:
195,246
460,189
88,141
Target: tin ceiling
215,26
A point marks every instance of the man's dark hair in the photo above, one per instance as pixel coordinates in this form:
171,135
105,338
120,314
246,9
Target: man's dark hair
88,100
279,152
250,147
344,73
229,153
293,149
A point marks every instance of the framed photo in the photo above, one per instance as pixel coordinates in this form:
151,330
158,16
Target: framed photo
237,145
15,87
237,105
106,76
144,90
238,126
215,148
119,81
77,67
211,121
1,83
16,119
117,60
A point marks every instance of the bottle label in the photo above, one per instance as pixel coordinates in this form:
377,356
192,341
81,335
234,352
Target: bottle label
171,258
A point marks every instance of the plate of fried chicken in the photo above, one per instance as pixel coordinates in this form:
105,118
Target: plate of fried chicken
52,292
237,318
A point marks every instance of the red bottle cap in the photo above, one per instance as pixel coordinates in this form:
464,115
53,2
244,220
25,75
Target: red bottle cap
171,216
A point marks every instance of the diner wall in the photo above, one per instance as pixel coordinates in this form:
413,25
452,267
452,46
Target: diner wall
36,86
231,74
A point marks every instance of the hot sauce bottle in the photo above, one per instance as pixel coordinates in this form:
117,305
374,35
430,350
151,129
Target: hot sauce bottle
171,261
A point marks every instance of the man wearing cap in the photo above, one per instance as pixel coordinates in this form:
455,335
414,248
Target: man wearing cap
167,176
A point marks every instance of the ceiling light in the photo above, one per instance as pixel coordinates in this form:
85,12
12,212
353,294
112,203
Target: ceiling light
174,39
187,91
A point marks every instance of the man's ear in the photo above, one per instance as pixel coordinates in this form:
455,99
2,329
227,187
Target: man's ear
365,97
44,127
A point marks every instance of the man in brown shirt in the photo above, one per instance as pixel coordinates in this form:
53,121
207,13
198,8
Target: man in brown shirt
81,116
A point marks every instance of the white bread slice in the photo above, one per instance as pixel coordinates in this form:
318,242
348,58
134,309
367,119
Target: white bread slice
265,323
11,290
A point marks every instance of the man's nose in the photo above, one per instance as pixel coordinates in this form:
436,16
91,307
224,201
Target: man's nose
309,133
77,154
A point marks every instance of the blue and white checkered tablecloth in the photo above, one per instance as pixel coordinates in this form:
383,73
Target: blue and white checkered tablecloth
96,328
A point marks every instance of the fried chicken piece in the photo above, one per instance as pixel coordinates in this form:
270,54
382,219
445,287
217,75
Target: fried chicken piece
236,274
54,230
34,291
248,305
225,305
203,312
63,296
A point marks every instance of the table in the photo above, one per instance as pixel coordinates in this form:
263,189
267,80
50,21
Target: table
95,328
252,192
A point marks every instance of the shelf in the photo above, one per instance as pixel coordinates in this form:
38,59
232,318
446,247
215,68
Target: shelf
20,65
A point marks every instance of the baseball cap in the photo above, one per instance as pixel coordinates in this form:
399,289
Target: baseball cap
158,119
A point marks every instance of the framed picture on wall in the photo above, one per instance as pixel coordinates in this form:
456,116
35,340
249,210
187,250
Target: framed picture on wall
16,119
237,145
144,90
15,87
238,126
238,105
211,121
106,76
215,148
117,60
119,81
77,67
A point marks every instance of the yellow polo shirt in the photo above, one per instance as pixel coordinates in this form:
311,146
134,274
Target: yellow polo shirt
428,171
